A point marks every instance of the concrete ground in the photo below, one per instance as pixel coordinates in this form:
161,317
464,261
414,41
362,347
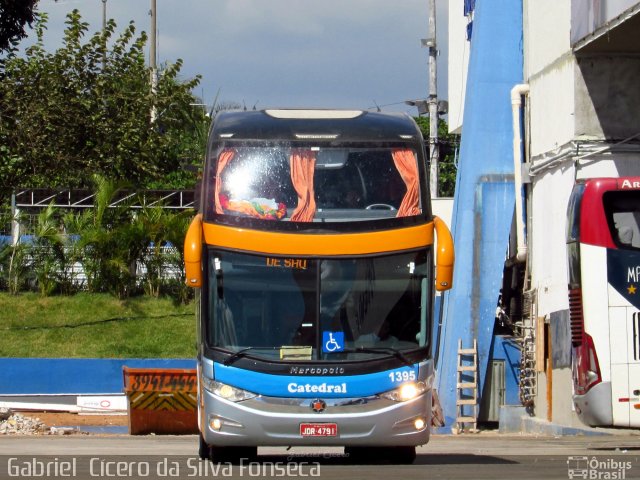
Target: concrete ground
469,456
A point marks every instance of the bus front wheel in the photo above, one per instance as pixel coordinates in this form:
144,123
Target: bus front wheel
204,450
226,454
394,455
234,455
402,455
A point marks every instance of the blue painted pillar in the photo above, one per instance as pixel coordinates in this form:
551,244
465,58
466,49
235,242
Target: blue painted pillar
484,197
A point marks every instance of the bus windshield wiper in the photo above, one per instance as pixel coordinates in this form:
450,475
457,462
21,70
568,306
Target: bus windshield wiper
239,354
390,350
243,353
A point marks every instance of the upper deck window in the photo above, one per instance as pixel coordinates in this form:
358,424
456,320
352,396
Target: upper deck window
315,184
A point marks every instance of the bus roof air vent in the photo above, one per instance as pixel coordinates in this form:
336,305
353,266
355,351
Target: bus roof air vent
314,114
316,136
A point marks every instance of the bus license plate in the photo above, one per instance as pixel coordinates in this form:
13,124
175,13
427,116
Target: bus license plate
319,429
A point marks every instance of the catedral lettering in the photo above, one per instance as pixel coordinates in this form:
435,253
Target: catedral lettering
321,388
315,243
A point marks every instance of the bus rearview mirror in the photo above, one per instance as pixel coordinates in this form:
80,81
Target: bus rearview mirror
444,255
193,253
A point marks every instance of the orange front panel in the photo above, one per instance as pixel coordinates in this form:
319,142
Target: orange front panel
144,422
280,243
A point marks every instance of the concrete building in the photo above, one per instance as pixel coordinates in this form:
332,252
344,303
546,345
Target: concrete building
579,105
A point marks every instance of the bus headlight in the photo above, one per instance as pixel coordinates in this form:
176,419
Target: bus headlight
407,391
225,391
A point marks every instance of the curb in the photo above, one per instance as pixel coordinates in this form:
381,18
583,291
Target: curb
515,419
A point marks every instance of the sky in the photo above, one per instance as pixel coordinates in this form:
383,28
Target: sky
285,53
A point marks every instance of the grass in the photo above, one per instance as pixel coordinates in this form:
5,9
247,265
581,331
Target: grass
95,326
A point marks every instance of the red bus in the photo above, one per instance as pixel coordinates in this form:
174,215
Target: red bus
603,248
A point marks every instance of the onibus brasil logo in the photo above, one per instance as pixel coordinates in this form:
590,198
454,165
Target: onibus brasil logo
595,468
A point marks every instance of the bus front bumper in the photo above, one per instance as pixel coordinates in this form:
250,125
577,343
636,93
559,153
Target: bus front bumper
277,421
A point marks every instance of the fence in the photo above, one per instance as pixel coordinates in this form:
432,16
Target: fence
170,268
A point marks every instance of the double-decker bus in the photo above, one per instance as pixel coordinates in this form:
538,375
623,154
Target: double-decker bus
313,258
603,245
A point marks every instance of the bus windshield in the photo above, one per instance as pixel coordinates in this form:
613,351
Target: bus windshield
310,309
314,184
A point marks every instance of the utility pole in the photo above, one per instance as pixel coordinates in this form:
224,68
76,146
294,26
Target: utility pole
104,15
152,56
104,32
434,151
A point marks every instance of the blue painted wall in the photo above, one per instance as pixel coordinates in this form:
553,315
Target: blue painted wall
503,348
73,376
484,198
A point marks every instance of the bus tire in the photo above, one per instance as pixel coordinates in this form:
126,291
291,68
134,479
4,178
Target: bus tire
376,455
233,455
204,450
402,455
358,454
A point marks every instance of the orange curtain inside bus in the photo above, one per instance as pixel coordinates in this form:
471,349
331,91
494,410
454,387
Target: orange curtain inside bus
223,160
303,165
406,164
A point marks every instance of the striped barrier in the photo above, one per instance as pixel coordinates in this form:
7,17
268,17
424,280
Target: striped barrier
161,400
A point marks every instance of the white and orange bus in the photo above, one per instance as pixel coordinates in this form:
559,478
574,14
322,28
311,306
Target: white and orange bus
603,244
313,258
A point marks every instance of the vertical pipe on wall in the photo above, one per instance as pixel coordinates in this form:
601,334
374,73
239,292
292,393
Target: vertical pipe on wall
517,92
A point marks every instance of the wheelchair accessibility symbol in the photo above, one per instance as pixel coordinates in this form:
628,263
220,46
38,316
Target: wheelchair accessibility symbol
332,341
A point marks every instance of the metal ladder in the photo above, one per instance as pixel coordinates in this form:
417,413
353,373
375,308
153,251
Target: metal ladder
467,388
526,340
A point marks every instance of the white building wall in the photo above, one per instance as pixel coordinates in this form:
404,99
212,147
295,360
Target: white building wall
570,101
592,99
589,15
457,64
546,33
550,71
549,273
443,208
551,109
549,68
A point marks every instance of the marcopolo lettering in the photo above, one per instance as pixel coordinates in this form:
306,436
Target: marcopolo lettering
320,388
317,370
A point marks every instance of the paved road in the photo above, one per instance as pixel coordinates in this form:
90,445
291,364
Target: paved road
483,456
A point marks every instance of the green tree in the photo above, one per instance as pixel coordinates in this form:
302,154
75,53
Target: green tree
102,239
87,108
163,258
48,252
176,230
448,144
113,242
14,15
